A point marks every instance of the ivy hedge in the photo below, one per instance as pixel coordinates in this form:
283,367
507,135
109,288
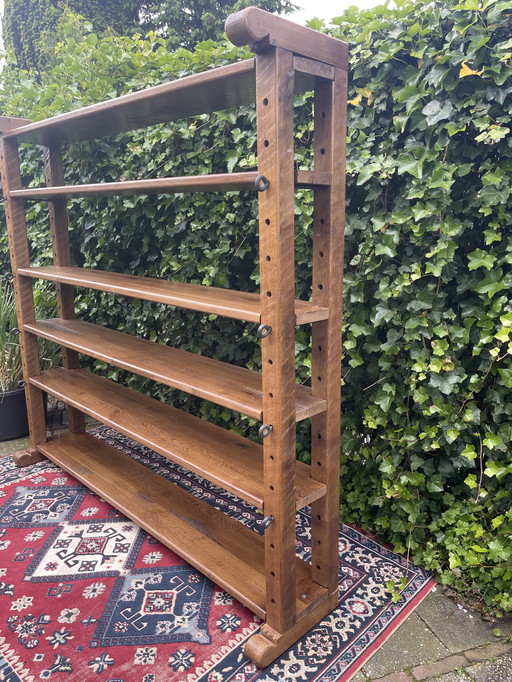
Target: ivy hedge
427,370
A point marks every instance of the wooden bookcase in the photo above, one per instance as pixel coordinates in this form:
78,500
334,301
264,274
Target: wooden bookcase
262,571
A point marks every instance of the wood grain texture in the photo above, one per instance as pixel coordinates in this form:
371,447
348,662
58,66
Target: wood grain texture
233,387
199,183
223,549
194,183
19,254
328,228
266,645
220,88
274,109
24,458
58,217
10,122
260,30
222,457
239,305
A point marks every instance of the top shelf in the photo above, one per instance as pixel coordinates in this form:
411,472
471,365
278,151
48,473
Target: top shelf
221,88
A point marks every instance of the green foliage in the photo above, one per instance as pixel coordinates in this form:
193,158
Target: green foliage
427,362
11,370
29,26
187,24
428,323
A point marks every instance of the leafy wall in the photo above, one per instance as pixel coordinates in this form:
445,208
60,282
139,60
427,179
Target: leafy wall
427,416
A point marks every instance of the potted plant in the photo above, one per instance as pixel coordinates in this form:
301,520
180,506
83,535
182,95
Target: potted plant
13,408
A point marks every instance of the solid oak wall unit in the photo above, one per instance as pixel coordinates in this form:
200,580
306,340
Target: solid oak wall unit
262,571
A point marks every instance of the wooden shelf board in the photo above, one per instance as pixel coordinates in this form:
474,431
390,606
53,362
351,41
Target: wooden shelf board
215,182
236,388
221,88
194,183
222,457
239,305
220,547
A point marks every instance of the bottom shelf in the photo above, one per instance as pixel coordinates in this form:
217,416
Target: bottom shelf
223,549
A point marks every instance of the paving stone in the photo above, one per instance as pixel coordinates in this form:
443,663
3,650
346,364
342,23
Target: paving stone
411,644
421,672
359,677
458,629
394,677
451,677
492,671
488,651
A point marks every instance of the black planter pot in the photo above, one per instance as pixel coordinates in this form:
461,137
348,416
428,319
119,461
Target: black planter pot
13,415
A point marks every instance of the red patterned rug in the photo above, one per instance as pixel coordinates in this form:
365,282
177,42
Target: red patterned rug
85,594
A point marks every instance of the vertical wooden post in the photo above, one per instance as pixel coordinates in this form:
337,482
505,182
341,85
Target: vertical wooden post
274,105
328,228
19,253
62,257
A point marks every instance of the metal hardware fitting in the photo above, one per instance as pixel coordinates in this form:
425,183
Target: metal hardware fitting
262,183
263,331
22,384
267,521
16,331
265,430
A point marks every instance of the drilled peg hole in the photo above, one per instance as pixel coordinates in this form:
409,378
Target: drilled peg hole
272,546
318,516
265,102
271,488
270,362
319,436
319,464
272,601
268,259
322,221
321,254
323,114
322,151
269,294
320,286
319,378
318,542
318,567
267,221
266,143
319,348
271,458
270,395
272,574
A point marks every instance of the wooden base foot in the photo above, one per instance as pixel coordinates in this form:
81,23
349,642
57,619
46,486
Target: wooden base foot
24,458
267,644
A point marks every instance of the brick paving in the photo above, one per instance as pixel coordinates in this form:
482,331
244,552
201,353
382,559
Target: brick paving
442,642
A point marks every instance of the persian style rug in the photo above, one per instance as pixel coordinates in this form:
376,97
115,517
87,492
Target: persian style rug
85,594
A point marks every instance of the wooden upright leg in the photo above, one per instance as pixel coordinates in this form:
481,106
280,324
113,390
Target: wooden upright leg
330,108
19,252
61,256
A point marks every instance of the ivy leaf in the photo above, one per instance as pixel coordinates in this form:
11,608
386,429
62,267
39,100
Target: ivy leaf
445,382
434,111
466,70
492,283
481,259
408,164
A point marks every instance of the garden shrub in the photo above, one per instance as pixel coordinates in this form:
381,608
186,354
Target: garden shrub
427,372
